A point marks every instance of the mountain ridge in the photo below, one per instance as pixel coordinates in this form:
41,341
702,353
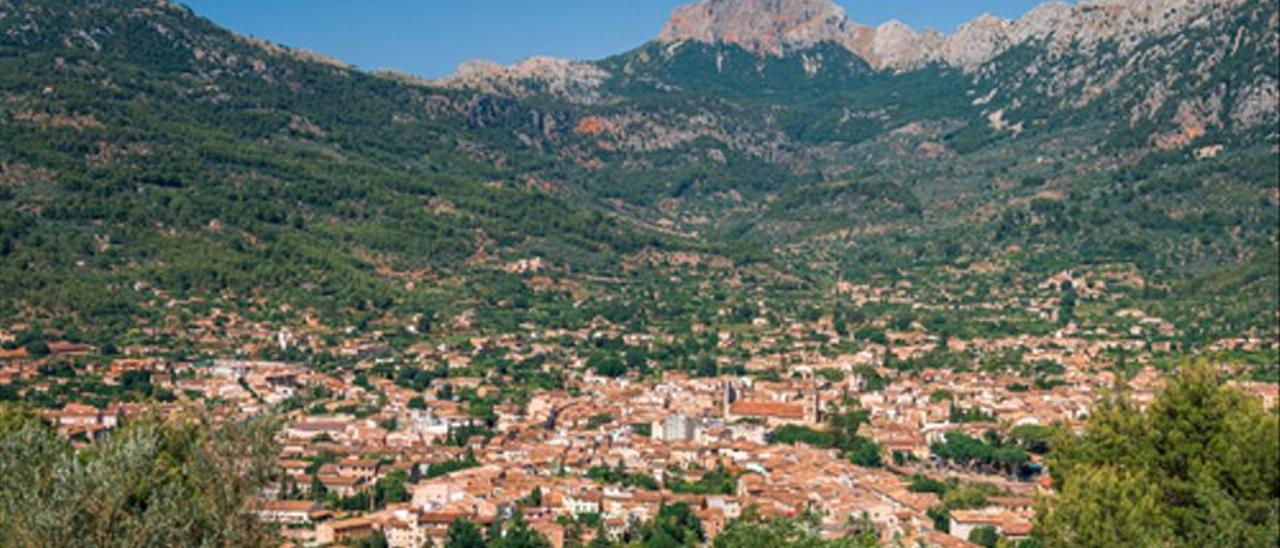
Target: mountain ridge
779,27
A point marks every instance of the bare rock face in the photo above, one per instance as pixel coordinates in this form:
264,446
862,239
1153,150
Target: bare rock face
770,27
574,81
774,27
1257,105
895,45
978,41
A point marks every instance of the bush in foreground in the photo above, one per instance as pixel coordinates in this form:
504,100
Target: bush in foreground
150,483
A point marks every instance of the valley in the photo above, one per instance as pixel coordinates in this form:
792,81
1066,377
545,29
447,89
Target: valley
772,278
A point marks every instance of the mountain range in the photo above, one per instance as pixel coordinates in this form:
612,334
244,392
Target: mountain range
778,27
151,157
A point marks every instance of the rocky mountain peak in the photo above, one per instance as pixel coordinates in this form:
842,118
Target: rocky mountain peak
761,26
1088,30
774,27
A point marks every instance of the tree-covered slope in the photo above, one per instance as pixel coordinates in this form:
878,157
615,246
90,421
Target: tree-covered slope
145,147
150,155
1155,148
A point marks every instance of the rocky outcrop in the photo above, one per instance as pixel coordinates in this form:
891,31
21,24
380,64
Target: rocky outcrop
1166,62
1256,105
1144,61
771,27
574,81
775,27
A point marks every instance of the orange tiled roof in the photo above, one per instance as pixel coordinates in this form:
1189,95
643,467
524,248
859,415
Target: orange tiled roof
289,506
768,409
977,516
353,523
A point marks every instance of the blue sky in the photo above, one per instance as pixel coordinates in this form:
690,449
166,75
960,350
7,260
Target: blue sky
431,37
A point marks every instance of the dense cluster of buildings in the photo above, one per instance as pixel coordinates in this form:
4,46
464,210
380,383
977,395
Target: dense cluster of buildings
567,459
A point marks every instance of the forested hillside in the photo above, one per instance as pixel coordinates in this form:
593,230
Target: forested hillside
146,148
152,156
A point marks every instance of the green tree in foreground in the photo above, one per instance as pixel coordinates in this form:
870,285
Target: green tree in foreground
984,536
675,525
753,531
1199,467
150,483
464,534
518,534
